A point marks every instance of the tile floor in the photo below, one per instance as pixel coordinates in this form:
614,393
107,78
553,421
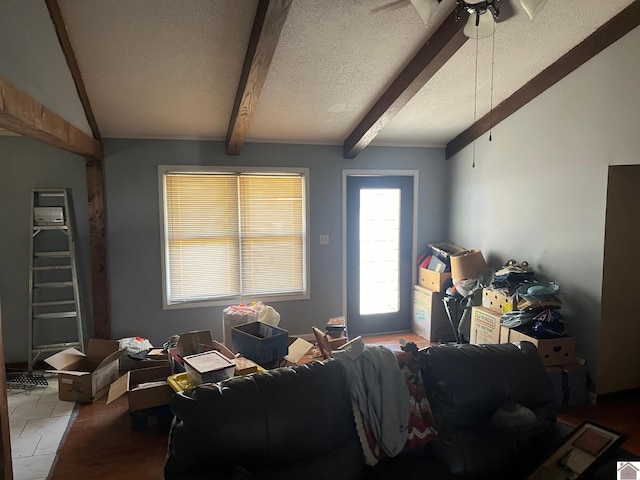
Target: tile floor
38,422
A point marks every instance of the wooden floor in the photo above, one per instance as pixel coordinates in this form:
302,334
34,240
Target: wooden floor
100,444
621,414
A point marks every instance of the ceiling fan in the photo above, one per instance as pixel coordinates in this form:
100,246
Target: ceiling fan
480,24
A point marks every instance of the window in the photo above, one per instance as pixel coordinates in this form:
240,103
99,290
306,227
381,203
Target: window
233,235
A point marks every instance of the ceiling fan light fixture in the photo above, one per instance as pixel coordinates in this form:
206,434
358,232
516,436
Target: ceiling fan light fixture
533,7
426,9
479,25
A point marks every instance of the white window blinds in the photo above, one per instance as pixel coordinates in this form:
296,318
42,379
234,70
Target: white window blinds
231,235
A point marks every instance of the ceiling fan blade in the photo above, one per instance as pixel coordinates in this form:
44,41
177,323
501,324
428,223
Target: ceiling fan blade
426,8
533,7
507,9
390,6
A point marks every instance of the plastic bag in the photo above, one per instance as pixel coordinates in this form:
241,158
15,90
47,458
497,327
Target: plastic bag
134,344
235,315
267,314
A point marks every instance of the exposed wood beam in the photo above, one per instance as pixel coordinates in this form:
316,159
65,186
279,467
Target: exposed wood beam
603,37
267,26
21,114
95,188
439,48
97,240
63,37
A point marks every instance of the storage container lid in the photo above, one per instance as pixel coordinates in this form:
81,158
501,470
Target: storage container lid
208,362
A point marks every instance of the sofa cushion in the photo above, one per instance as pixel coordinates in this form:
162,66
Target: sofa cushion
466,384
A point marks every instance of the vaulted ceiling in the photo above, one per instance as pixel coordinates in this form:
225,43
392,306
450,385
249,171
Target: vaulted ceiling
342,72
169,69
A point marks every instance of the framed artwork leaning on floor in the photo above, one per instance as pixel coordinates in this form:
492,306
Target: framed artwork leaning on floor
586,447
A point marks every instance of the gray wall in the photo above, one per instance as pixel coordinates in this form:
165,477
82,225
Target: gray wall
33,60
24,165
538,191
134,230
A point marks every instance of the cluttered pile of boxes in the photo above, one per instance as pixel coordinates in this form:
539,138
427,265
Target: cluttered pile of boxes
459,298
149,377
436,313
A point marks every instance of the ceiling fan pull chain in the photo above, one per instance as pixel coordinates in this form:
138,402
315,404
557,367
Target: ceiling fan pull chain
475,96
493,59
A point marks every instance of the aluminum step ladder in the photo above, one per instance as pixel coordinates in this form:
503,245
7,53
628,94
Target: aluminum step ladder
55,320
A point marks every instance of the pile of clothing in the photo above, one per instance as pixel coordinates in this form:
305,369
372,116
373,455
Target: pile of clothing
537,303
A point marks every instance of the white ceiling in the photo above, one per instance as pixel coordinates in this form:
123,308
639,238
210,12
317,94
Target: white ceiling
168,69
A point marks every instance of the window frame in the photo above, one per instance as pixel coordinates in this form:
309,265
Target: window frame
164,247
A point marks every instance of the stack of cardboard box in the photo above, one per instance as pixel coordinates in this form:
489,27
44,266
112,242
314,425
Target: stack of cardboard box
429,316
567,373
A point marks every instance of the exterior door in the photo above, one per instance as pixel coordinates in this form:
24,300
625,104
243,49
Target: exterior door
379,253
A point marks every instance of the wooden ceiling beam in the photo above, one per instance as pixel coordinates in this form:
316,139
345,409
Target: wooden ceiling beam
439,48
267,26
63,37
22,114
602,38
95,189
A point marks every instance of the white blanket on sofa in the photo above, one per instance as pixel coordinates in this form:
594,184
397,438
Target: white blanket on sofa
380,392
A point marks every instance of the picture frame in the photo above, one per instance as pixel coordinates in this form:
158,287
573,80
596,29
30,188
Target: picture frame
584,449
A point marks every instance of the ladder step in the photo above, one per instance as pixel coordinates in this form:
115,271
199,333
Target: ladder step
53,285
55,315
55,346
50,192
50,227
64,253
53,267
53,304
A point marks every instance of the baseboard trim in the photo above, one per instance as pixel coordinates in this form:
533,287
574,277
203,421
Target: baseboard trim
621,395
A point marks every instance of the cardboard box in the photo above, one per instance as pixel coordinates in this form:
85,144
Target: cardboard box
194,342
155,358
569,384
151,417
48,215
298,349
337,342
86,378
208,367
429,318
485,326
244,366
433,280
144,387
191,343
554,351
467,264
260,342
498,302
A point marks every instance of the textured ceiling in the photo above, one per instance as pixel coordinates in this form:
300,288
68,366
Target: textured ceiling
168,69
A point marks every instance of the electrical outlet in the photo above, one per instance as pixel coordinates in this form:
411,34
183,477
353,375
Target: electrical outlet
324,239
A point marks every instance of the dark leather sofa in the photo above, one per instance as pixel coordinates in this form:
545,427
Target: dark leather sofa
297,423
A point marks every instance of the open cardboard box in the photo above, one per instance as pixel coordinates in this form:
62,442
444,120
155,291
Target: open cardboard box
191,343
86,378
145,387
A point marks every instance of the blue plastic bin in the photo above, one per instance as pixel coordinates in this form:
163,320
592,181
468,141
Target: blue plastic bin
260,342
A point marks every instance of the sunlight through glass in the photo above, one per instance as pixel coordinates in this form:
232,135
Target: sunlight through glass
379,250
